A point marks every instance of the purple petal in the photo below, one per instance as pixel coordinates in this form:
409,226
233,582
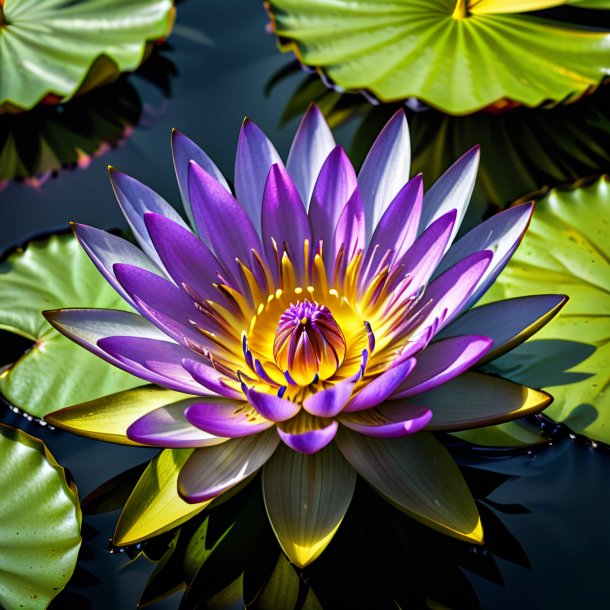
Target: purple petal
167,427
398,226
421,259
106,249
185,150
210,378
87,326
385,169
349,234
508,322
272,407
329,402
161,358
443,361
186,258
212,470
501,234
452,191
388,422
135,200
222,223
335,185
380,388
227,418
446,295
306,433
312,143
165,305
255,156
284,218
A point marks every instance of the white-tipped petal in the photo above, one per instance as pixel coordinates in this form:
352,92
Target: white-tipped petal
255,157
500,234
385,170
312,143
135,200
452,191
184,150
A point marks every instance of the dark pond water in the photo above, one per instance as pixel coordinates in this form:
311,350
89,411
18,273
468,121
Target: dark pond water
546,512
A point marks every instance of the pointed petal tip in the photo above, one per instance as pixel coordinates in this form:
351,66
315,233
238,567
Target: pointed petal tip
50,314
476,536
400,114
313,108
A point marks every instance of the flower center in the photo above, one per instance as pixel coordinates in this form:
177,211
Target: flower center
308,343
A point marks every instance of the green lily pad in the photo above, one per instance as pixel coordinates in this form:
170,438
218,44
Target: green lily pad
50,50
55,372
40,523
458,57
566,250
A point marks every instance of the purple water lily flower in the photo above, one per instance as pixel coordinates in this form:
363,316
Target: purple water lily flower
316,324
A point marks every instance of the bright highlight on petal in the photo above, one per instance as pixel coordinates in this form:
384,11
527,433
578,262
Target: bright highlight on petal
312,321
306,497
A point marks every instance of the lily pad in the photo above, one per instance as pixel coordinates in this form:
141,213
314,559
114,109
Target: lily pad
567,247
50,50
458,57
55,372
40,523
37,145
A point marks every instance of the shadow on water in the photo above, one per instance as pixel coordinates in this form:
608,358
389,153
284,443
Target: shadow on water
38,144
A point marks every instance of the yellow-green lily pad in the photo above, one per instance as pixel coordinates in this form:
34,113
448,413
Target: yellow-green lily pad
457,56
40,521
55,372
566,250
50,50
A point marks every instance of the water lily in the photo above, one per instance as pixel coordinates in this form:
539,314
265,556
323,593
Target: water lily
316,324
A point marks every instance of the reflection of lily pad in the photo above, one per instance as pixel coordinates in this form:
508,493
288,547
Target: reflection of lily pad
47,139
459,56
567,247
55,372
52,49
42,141
39,523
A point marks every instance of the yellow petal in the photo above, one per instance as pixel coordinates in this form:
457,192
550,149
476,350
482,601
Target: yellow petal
486,7
107,418
154,506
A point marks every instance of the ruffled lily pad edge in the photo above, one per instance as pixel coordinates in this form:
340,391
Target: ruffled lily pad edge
501,105
103,70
